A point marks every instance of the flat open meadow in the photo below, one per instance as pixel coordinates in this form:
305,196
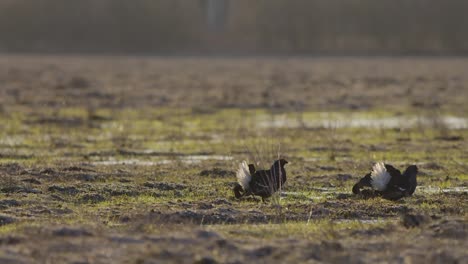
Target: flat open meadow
133,159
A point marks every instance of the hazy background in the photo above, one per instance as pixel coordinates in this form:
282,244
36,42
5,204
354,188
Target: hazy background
235,27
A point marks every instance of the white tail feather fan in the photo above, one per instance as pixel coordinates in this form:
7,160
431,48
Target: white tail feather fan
380,177
243,175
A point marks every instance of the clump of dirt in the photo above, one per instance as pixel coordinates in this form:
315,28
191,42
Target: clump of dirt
59,121
68,190
344,177
92,198
79,82
32,181
71,232
450,229
77,169
5,220
47,171
413,220
119,190
9,203
371,232
165,186
221,201
211,215
11,168
205,260
450,138
11,240
218,172
86,177
19,189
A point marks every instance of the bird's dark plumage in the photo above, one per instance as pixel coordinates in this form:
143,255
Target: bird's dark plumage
393,185
262,183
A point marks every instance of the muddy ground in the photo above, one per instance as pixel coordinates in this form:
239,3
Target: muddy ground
132,159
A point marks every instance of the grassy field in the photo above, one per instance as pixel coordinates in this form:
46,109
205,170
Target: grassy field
132,160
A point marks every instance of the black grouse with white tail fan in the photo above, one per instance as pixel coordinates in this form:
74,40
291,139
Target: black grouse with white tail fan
262,183
387,181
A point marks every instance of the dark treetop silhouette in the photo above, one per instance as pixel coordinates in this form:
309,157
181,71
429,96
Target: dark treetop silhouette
262,183
386,181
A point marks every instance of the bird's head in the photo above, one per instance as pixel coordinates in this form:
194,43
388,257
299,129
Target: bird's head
280,162
413,169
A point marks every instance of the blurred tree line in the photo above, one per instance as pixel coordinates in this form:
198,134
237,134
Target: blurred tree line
263,26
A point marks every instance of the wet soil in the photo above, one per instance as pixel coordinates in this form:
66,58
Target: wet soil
111,160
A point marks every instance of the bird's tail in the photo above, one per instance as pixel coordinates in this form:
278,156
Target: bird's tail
380,176
243,176
238,191
411,173
364,182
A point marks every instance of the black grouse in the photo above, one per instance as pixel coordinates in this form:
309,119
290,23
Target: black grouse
386,181
262,183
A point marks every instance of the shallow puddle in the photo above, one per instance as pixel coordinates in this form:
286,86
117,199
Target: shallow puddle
199,158
432,189
137,162
361,121
365,221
